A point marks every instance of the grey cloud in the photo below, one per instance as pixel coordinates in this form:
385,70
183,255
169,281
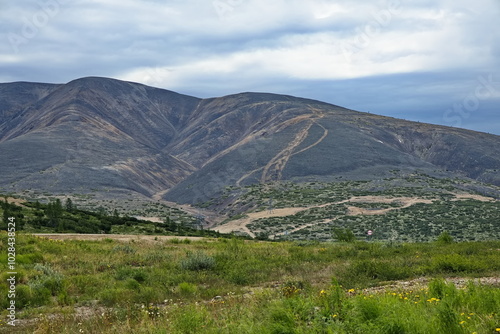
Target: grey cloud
117,38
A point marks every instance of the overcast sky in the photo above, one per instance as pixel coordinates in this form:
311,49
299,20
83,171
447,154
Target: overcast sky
429,61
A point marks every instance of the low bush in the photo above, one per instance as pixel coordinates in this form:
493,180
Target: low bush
197,261
187,289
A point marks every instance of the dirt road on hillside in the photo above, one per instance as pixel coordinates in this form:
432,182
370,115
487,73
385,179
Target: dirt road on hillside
352,210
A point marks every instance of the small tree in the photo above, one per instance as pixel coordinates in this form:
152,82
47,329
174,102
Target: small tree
54,212
445,238
262,236
69,204
344,235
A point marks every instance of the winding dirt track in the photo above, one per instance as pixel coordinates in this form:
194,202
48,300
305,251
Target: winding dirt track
280,160
240,225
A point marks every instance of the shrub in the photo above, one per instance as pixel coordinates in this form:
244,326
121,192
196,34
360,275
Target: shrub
139,275
132,284
124,249
198,261
111,297
187,289
367,270
454,263
64,299
49,279
367,309
448,320
41,296
344,235
191,320
147,295
282,320
445,238
238,276
24,295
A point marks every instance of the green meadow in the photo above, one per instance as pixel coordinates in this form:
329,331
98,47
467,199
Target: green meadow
217,285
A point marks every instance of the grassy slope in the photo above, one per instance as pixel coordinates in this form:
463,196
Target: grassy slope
288,287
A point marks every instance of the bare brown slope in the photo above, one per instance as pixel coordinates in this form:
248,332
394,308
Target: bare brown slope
99,133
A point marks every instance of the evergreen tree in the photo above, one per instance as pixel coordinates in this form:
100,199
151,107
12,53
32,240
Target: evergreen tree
69,205
6,214
54,212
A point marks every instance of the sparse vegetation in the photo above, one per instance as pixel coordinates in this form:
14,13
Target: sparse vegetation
232,286
465,219
323,279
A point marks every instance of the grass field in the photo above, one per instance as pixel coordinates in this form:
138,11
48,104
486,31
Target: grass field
236,286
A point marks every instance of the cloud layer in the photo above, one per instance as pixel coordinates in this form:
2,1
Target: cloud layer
408,59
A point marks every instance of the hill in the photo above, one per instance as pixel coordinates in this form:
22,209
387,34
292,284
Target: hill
99,134
235,157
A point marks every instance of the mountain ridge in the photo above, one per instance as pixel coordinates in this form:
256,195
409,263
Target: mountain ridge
101,133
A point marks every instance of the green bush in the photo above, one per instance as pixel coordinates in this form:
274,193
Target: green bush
238,276
24,295
367,309
40,296
197,261
191,320
124,249
132,284
282,320
64,299
47,278
448,319
138,274
453,263
344,235
113,297
445,238
378,270
187,289
147,295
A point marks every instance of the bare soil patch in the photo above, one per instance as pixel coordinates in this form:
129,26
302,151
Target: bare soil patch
472,196
16,201
422,282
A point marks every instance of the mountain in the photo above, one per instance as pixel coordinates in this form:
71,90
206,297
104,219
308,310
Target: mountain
100,134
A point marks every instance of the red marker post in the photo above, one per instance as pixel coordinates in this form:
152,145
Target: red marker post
369,233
